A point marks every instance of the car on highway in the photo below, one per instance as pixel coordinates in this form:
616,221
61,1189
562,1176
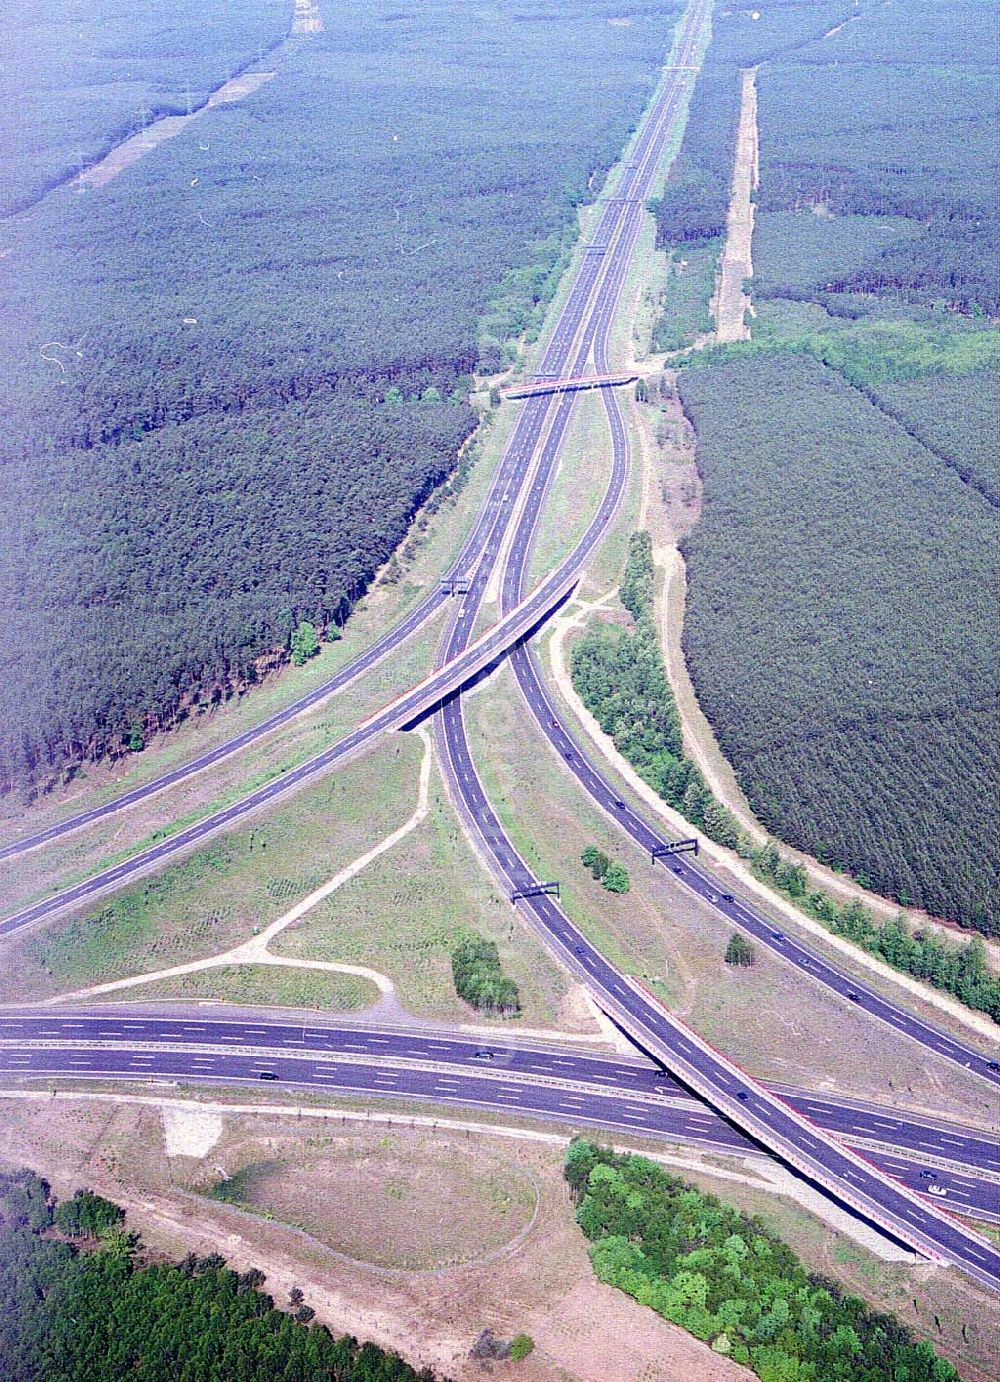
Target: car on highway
939,1190
854,997
483,1054
928,1175
267,1075
778,935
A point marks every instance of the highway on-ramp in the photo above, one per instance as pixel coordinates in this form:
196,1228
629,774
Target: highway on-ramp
760,1112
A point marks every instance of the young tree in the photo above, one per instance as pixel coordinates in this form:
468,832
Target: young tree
305,644
616,878
739,951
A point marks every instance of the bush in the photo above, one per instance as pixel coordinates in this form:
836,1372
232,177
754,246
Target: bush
739,951
616,879
480,980
520,1346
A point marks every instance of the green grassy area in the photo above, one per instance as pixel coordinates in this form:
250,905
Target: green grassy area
403,915
690,283
85,852
229,889
767,1019
273,986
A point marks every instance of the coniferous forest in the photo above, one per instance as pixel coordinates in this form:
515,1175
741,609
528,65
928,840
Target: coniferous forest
236,370
841,626
86,1307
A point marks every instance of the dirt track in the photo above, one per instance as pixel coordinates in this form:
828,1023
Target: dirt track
731,302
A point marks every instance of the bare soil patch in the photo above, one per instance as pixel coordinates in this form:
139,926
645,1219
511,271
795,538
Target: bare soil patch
583,1331
731,302
405,1202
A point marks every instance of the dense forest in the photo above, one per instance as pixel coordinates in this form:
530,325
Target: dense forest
620,676
895,114
692,208
841,631
95,1312
235,371
726,1278
848,538
90,74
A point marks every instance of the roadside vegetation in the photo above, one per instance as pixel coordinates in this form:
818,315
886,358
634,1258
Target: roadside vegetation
100,1312
840,631
620,676
726,1278
264,340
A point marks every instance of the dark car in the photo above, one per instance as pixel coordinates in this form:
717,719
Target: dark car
268,1075
661,1075
619,805
928,1175
728,897
483,1055
678,868
778,935
993,1065
854,997
579,950
742,1094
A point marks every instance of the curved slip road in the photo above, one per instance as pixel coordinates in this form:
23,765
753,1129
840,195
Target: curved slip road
591,300
842,1173
497,508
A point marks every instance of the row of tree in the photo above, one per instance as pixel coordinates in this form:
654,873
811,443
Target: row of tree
620,676
728,1280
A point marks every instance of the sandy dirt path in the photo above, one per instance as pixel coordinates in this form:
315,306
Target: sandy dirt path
731,303
131,150
256,951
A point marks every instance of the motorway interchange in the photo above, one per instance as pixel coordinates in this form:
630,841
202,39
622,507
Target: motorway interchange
813,1136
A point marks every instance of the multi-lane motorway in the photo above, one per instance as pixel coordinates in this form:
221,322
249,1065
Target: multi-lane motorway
757,1111
764,1114
591,301
564,1083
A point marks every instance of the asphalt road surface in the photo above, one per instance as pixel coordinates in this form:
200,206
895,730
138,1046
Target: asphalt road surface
589,307
552,1082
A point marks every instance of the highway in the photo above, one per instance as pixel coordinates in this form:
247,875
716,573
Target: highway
591,297
764,1116
761,1113
573,1086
